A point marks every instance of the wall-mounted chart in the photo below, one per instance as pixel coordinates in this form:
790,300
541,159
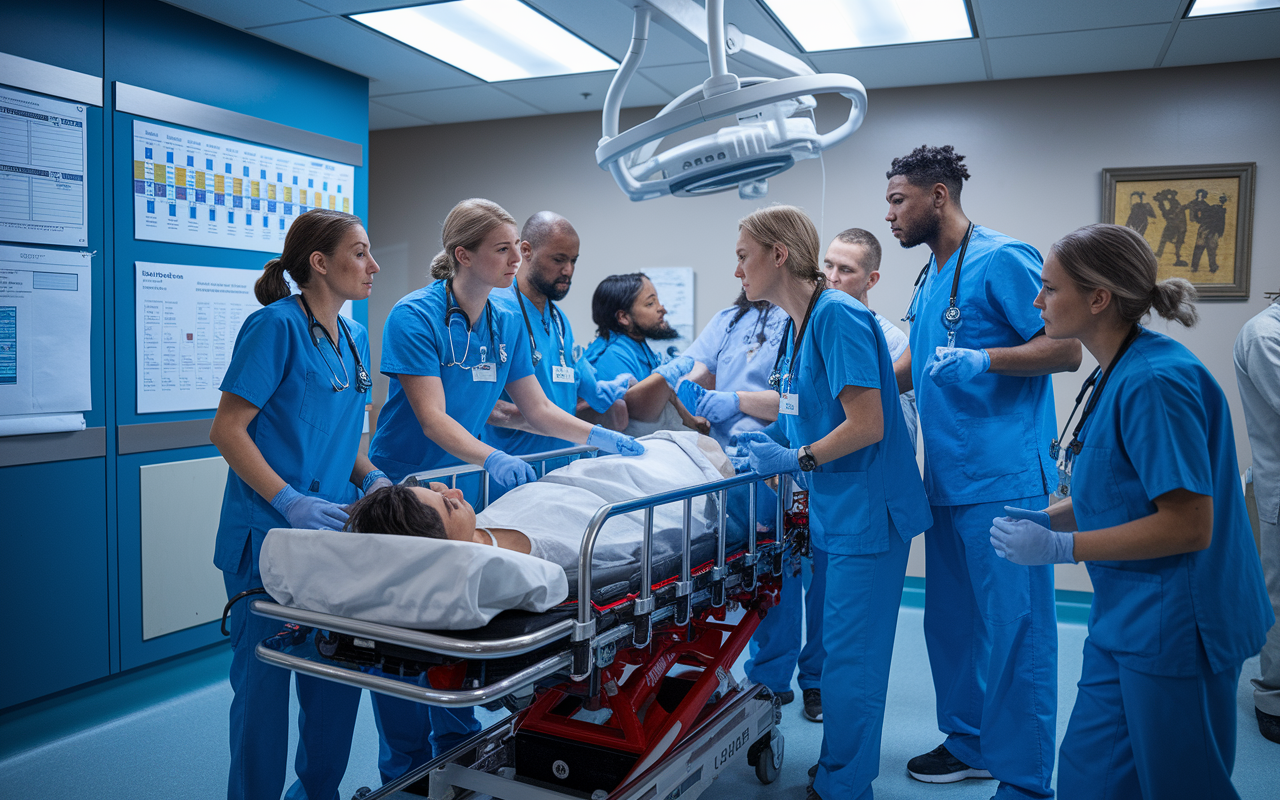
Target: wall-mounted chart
196,188
44,198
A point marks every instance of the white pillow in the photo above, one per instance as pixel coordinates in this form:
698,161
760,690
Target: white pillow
407,581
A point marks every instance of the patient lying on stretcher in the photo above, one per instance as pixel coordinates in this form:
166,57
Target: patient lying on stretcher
547,518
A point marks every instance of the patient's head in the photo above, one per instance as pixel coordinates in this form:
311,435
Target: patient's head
434,511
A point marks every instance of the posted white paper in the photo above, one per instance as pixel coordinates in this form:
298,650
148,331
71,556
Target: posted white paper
44,197
45,312
187,322
675,293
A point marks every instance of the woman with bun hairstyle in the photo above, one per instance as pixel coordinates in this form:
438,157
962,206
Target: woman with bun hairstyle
1151,499
289,425
449,353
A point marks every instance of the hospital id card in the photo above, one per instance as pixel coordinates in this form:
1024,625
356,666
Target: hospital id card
563,375
484,373
789,403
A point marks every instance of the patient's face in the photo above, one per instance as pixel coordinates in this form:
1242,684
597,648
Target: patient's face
458,515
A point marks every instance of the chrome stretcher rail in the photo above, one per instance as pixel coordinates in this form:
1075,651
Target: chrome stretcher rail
434,642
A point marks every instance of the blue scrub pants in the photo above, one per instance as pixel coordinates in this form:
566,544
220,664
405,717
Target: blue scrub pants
260,712
1134,735
775,648
991,629
411,734
861,613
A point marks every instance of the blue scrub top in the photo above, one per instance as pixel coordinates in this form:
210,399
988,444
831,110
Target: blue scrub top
985,439
857,501
416,342
554,337
307,432
741,355
1162,423
617,353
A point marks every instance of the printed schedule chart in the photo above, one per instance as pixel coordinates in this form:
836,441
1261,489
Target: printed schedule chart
43,150
194,188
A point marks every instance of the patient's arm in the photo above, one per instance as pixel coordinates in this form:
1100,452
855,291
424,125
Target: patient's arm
615,419
646,399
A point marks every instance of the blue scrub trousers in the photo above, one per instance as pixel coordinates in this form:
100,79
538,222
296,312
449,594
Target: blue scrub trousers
1134,735
411,734
861,613
775,648
260,712
991,629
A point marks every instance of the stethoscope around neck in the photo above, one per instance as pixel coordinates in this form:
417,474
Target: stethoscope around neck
558,324
451,309
951,316
363,381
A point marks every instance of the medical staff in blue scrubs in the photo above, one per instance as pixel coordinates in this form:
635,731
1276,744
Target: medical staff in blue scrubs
1153,504
289,425
450,352
839,397
627,313
980,368
549,248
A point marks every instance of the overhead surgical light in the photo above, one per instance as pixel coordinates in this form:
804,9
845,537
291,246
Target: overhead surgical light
775,124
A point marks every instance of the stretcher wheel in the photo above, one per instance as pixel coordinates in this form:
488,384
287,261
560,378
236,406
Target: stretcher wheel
769,760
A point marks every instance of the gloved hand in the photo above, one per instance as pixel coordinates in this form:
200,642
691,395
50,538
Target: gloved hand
1040,518
374,480
1030,544
508,470
614,442
767,457
957,364
715,407
740,464
674,370
612,391
600,395
307,511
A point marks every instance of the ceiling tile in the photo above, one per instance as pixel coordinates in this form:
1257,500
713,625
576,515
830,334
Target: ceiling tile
908,65
563,94
1241,37
383,117
1109,50
391,67
467,104
1023,18
239,14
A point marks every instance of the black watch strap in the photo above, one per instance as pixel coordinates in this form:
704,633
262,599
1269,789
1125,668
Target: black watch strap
807,462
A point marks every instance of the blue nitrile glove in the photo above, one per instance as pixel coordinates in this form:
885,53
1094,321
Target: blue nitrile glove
613,442
675,369
600,394
374,480
1030,544
1040,518
767,456
957,365
612,391
715,407
740,464
308,512
509,471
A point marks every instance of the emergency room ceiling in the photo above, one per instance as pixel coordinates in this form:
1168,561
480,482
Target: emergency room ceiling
1015,39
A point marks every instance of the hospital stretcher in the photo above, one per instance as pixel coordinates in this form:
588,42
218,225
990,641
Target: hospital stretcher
623,691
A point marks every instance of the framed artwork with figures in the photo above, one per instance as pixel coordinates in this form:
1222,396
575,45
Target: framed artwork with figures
1197,219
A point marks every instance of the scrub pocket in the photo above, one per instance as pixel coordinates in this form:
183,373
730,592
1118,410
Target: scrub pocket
994,446
316,409
840,503
1094,489
1127,610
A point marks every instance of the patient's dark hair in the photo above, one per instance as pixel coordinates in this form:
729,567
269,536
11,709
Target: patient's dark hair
395,510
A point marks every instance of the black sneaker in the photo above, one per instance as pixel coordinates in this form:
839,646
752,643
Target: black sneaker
813,705
939,766
785,697
1268,725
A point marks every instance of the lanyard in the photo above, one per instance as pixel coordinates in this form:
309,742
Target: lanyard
363,382
556,323
1066,456
775,377
451,308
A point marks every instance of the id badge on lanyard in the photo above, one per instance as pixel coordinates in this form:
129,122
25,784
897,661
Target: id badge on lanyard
484,372
789,403
563,375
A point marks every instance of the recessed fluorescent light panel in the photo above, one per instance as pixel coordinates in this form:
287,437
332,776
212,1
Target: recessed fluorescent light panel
495,40
1209,8
844,24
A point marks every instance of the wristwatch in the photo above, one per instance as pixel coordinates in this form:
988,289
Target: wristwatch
807,462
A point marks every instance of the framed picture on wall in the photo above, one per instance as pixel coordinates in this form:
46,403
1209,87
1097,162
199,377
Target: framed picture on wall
1197,219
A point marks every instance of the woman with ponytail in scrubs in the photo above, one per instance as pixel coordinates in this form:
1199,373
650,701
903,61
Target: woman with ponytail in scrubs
450,352
289,425
840,411
1152,501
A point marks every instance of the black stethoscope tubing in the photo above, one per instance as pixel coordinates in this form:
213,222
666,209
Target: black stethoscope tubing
951,316
451,308
558,324
1097,385
775,377
363,381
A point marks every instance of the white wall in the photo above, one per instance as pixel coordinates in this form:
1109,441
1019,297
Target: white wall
1035,148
